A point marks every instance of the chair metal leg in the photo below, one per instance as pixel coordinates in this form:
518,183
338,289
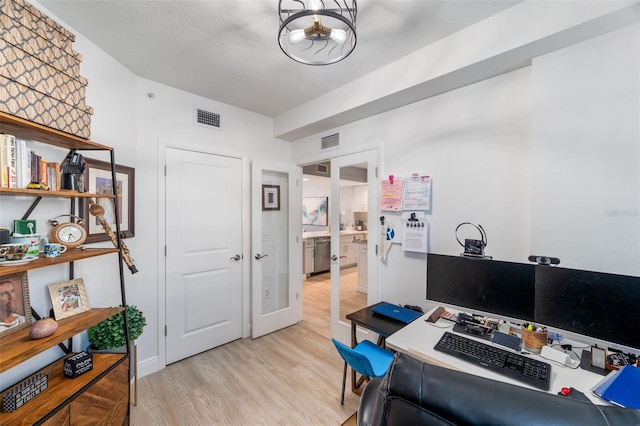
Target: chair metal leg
344,382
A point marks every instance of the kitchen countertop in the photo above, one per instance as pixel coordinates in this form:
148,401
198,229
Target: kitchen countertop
307,235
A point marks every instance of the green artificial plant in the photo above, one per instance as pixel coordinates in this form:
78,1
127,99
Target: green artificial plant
109,334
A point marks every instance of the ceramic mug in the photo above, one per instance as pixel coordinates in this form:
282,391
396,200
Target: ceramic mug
35,241
54,249
14,251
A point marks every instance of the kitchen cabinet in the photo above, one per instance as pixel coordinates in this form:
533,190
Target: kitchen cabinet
360,198
349,249
101,395
308,253
362,266
347,255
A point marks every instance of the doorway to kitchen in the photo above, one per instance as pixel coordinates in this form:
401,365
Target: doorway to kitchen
350,255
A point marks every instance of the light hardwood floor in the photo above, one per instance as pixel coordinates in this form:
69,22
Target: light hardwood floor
317,294
290,377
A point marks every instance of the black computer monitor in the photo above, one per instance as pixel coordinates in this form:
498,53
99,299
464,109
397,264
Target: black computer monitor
599,305
489,286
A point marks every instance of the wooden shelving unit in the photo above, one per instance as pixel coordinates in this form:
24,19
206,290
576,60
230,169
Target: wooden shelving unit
19,347
36,132
101,394
60,389
56,194
71,255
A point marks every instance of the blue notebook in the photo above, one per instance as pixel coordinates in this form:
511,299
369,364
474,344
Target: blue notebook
621,387
396,312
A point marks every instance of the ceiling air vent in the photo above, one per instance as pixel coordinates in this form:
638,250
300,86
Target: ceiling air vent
330,141
207,118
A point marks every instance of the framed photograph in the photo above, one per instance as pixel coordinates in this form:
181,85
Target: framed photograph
97,178
15,308
315,211
270,197
68,298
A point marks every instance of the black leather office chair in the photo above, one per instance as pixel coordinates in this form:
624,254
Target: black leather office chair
417,393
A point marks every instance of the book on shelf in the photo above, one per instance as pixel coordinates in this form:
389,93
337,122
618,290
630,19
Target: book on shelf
23,158
4,180
43,172
9,165
53,176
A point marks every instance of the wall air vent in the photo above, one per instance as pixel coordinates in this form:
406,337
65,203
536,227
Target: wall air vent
331,141
322,169
207,118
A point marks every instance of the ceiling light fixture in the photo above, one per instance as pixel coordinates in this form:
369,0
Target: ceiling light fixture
317,32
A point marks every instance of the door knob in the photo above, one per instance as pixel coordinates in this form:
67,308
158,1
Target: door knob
334,257
260,256
237,257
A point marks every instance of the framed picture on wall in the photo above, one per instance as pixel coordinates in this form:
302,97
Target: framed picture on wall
270,197
315,211
98,180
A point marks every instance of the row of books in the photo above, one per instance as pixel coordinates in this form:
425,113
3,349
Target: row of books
20,165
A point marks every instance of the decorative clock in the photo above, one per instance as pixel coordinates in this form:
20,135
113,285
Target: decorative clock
71,234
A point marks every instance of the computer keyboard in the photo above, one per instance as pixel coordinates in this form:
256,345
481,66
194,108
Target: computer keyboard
519,367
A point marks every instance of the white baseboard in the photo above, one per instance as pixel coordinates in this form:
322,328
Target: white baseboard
148,366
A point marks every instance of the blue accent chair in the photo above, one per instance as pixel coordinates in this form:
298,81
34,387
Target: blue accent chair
367,359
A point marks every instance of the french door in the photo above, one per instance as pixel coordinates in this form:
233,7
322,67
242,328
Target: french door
342,293
276,276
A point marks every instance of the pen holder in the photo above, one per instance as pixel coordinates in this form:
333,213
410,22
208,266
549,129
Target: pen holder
533,341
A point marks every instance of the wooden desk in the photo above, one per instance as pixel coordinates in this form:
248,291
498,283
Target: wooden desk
381,325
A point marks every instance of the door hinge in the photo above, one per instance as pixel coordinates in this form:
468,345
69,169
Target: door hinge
376,171
165,251
165,331
165,171
296,296
376,249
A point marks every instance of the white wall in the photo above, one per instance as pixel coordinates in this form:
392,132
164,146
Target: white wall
489,167
586,158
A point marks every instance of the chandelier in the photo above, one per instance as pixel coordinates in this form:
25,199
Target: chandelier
317,32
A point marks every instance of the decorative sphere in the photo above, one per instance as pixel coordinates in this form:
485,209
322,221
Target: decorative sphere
43,328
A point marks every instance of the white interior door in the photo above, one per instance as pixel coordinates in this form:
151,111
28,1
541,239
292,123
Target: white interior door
203,253
276,277
365,162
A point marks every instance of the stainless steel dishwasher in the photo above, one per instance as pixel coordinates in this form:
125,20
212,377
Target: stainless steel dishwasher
322,255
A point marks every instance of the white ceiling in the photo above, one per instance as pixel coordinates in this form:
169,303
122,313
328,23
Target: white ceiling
228,50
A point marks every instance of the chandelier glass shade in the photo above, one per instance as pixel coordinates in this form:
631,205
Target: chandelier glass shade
317,32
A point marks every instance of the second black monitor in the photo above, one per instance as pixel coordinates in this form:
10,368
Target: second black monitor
600,305
491,286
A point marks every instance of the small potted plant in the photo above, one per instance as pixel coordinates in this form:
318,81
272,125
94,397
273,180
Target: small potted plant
109,334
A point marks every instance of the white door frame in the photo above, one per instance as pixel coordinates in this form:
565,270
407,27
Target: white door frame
163,144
